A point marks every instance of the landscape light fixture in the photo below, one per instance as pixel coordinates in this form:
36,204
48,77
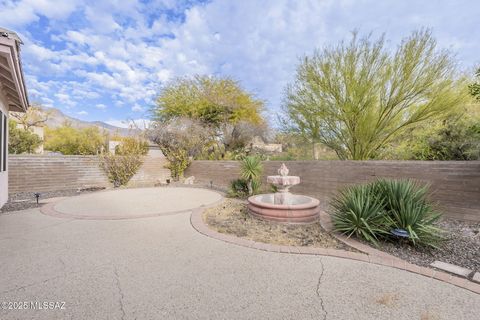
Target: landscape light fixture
37,196
401,233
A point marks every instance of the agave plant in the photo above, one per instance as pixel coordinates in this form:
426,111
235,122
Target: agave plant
408,208
251,171
357,210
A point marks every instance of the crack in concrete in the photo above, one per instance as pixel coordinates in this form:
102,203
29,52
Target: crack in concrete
120,292
320,278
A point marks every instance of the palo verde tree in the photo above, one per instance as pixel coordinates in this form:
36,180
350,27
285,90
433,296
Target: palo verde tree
355,97
475,87
220,104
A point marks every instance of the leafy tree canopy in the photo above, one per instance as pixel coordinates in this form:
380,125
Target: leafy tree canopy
357,96
21,140
71,141
214,101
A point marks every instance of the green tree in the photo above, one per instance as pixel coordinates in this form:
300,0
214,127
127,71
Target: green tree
71,141
475,87
21,140
356,97
455,138
218,103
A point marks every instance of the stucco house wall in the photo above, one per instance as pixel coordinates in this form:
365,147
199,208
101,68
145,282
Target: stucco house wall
3,174
13,97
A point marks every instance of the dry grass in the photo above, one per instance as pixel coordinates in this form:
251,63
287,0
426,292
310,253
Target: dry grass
231,217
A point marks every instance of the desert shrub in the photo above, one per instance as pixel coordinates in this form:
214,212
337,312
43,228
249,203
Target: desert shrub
120,169
132,145
371,211
358,210
238,188
180,140
407,208
178,162
251,170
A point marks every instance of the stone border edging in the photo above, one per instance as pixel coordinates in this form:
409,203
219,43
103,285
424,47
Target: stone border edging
370,254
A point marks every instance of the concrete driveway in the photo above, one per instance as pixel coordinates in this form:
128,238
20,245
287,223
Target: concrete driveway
161,268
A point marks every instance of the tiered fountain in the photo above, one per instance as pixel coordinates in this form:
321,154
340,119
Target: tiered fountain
283,206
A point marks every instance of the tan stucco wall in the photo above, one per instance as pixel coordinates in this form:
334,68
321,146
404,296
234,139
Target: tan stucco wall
455,185
3,175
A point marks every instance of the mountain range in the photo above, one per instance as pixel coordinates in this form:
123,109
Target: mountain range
57,118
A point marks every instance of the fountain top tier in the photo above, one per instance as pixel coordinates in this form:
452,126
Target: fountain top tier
283,179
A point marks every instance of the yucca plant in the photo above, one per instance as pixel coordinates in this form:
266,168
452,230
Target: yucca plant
251,171
408,208
357,210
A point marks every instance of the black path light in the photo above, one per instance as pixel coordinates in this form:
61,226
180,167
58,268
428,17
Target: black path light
401,233
37,196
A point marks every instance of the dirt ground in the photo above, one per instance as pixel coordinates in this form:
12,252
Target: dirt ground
231,217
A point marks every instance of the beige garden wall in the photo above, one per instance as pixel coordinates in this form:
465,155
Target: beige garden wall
455,185
3,174
40,173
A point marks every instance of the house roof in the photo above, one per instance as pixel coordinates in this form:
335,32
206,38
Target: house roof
12,81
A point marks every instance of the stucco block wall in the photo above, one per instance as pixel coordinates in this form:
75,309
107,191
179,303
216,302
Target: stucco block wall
32,173
3,174
455,185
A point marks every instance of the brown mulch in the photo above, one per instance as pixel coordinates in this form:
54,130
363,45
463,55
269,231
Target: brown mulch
231,217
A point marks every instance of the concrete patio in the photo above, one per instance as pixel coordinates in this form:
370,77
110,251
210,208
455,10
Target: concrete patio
159,267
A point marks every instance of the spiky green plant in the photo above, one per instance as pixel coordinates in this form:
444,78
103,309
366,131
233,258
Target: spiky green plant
251,171
358,211
408,208
370,211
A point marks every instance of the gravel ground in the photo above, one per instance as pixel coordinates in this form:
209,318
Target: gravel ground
462,246
27,200
231,217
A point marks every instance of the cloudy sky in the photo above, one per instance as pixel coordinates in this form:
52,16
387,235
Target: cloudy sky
106,60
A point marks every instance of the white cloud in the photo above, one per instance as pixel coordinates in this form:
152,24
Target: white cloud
82,113
120,52
137,108
132,123
17,13
101,106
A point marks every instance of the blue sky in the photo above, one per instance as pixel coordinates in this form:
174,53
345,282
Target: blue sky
106,60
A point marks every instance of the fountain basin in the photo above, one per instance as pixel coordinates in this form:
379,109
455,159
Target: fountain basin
298,209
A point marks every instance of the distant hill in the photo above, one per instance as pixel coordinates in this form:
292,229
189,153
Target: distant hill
58,118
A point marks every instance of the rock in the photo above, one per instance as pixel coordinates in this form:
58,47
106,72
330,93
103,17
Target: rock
189,180
476,277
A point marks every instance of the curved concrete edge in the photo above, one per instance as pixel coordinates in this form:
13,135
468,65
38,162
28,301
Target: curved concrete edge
49,210
369,255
